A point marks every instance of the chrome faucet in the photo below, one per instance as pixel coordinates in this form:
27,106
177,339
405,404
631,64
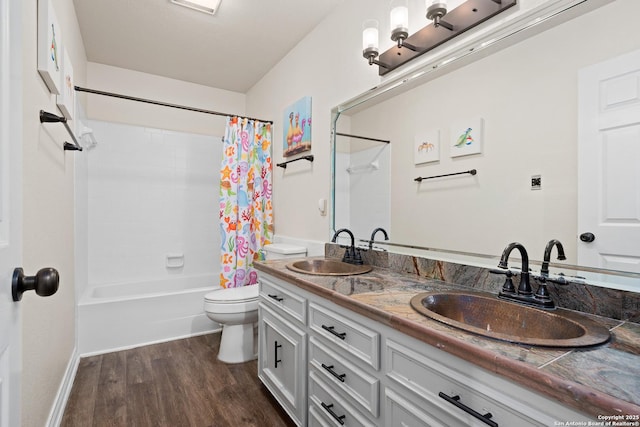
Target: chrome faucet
373,235
524,293
351,254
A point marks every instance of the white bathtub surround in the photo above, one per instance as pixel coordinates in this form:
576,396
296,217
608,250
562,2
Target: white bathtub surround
152,204
147,210
363,189
130,314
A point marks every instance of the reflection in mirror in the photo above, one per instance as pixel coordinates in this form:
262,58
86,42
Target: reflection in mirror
531,108
362,183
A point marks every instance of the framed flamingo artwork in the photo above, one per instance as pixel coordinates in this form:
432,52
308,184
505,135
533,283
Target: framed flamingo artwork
466,137
426,147
297,127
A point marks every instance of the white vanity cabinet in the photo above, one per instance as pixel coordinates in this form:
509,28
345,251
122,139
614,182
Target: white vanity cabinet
282,347
359,372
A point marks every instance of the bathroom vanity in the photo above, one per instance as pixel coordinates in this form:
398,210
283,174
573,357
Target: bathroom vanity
351,351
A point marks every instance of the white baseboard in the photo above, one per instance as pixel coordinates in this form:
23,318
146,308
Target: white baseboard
57,410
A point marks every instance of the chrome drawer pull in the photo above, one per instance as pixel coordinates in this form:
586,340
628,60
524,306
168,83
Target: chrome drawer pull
341,335
338,418
275,297
329,368
277,346
455,400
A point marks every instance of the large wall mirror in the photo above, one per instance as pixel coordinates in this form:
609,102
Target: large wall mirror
561,105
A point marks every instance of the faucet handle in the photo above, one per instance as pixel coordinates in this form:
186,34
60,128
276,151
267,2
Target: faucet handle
543,278
357,257
558,280
505,271
507,287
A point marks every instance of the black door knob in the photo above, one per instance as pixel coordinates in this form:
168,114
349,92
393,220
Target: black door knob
587,237
45,283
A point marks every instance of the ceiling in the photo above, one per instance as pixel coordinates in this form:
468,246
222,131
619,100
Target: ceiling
231,50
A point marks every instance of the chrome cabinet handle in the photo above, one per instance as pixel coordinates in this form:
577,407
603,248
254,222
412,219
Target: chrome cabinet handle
341,335
455,400
329,369
275,297
338,418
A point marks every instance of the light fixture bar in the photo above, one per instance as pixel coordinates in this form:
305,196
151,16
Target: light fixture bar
206,6
462,18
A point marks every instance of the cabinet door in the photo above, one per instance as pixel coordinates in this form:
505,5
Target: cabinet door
282,362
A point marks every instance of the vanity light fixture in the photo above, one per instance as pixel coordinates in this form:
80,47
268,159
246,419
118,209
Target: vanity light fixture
435,11
462,18
206,6
399,19
370,42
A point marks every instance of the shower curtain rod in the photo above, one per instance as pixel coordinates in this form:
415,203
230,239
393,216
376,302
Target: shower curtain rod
164,104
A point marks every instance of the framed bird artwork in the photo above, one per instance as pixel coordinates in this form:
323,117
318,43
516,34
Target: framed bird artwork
466,137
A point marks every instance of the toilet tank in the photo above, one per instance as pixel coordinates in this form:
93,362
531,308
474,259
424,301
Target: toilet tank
283,250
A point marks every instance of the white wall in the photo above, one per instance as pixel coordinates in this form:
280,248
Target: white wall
143,85
329,70
151,194
48,332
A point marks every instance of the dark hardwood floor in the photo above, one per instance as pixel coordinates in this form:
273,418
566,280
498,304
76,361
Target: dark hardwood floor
178,383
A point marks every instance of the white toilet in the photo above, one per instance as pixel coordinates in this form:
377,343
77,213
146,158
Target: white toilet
236,310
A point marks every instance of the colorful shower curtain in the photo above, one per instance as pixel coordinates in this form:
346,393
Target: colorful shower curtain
246,211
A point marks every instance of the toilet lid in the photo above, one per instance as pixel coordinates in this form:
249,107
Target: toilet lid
231,295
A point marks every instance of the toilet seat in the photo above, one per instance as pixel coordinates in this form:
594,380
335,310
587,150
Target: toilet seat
233,295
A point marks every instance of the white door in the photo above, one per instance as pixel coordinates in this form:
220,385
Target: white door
10,226
609,164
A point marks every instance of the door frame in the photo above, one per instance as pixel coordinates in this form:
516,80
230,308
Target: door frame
11,204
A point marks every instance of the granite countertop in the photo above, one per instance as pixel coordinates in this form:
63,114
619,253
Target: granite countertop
601,381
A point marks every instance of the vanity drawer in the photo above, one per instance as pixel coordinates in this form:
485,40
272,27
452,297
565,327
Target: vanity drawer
316,419
431,382
401,412
284,300
332,407
357,339
345,376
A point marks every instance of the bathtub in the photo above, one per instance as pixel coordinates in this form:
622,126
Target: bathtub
124,315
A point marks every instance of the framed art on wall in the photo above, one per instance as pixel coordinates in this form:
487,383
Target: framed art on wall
426,147
66,99
297,128
49,47
466,137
